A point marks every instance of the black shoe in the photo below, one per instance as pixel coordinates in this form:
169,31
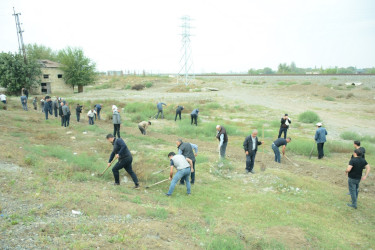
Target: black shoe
166,194
116,184
182,183
351,205
136,186
252,171
247,171
192,183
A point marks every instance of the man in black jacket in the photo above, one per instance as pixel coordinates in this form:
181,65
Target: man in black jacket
125,159
78,112
186,149
250,146
285,122
223,140
178,112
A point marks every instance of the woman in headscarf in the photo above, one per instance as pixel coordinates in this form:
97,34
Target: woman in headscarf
116,119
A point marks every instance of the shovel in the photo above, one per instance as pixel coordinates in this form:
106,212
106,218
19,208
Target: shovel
295,164
105,170
160,171
262,167
157,183
312,150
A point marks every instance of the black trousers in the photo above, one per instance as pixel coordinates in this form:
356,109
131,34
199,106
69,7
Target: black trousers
66,120
179,114
285,130
194,118
320,150
160,112
116,129
192,176
55,110
62,121
78,116
127,164
143,131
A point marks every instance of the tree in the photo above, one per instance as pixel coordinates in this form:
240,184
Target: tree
79,70
267,71
15,74
39,52
283,69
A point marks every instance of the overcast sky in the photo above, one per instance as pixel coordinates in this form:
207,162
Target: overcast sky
228,35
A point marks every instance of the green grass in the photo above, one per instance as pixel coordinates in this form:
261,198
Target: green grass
329,98
149,84
353,136
308,117
286,83
158,213
306,83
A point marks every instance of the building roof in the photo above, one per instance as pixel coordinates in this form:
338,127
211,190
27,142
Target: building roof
49,64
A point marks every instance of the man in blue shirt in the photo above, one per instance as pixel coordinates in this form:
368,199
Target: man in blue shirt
275,147
98,108
159,105
320,139
24,102
194,117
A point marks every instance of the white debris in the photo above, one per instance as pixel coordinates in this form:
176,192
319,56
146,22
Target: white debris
76,212
75,153
133,152
353,83
125,180
85,132
69,132
73,137
213,89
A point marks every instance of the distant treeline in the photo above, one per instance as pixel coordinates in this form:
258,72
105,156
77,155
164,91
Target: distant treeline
284,68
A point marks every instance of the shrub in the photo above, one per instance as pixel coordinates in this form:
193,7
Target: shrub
149,85
348,135
329,98
128,86
306,83
308,117
138,87
350,95
213,105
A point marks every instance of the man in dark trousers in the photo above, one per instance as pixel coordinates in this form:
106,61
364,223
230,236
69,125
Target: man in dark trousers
186,149
26,93
61,104
194,117
354,172
223,140
66,114
159,106
125,159
357,145
250,146
78,112
320,139
98,108
285,122
178,112
55,106
275,147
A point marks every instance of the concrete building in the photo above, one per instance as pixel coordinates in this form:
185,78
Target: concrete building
52,80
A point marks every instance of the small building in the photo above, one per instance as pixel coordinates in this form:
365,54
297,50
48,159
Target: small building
52,80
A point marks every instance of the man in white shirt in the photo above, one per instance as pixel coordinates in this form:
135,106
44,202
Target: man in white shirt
3,98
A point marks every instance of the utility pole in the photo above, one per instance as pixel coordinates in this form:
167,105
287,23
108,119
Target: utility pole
186,62
21,45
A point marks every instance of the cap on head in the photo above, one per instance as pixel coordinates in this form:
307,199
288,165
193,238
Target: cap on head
319,124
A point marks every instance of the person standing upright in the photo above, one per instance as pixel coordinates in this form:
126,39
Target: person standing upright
24,102
26,93
35,103
275,147
116,119
354,173
178,112
186,149
194,117
250,146
42,101
357,145
223,140
61,114
78,112
285,122
48,101
125,159
66,114
3,98
159,106
91,115
320,139
55,106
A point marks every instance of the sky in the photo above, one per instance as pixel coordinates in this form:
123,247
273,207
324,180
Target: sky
228,36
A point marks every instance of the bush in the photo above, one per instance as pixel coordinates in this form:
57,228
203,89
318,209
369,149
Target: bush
128,86
138,87
149,85
350,95
308,117
348,135
329,98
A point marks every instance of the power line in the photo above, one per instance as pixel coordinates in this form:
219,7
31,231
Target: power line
21,46
185,73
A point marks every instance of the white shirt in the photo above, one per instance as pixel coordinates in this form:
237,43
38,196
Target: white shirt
254,142
3,97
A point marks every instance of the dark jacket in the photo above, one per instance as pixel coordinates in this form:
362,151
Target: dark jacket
120,148
78,110
283,125
248,144
60,111
179,109
224,132
187,150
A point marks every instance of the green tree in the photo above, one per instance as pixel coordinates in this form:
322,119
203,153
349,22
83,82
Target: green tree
15,74
79,70
39,52
283,69
267,71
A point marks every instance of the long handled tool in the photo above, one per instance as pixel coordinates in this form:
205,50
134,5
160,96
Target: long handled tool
262,167
157,183
160,171
105,170
295,164
312,150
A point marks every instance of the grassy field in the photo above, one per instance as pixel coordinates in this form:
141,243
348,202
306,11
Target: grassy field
284,207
